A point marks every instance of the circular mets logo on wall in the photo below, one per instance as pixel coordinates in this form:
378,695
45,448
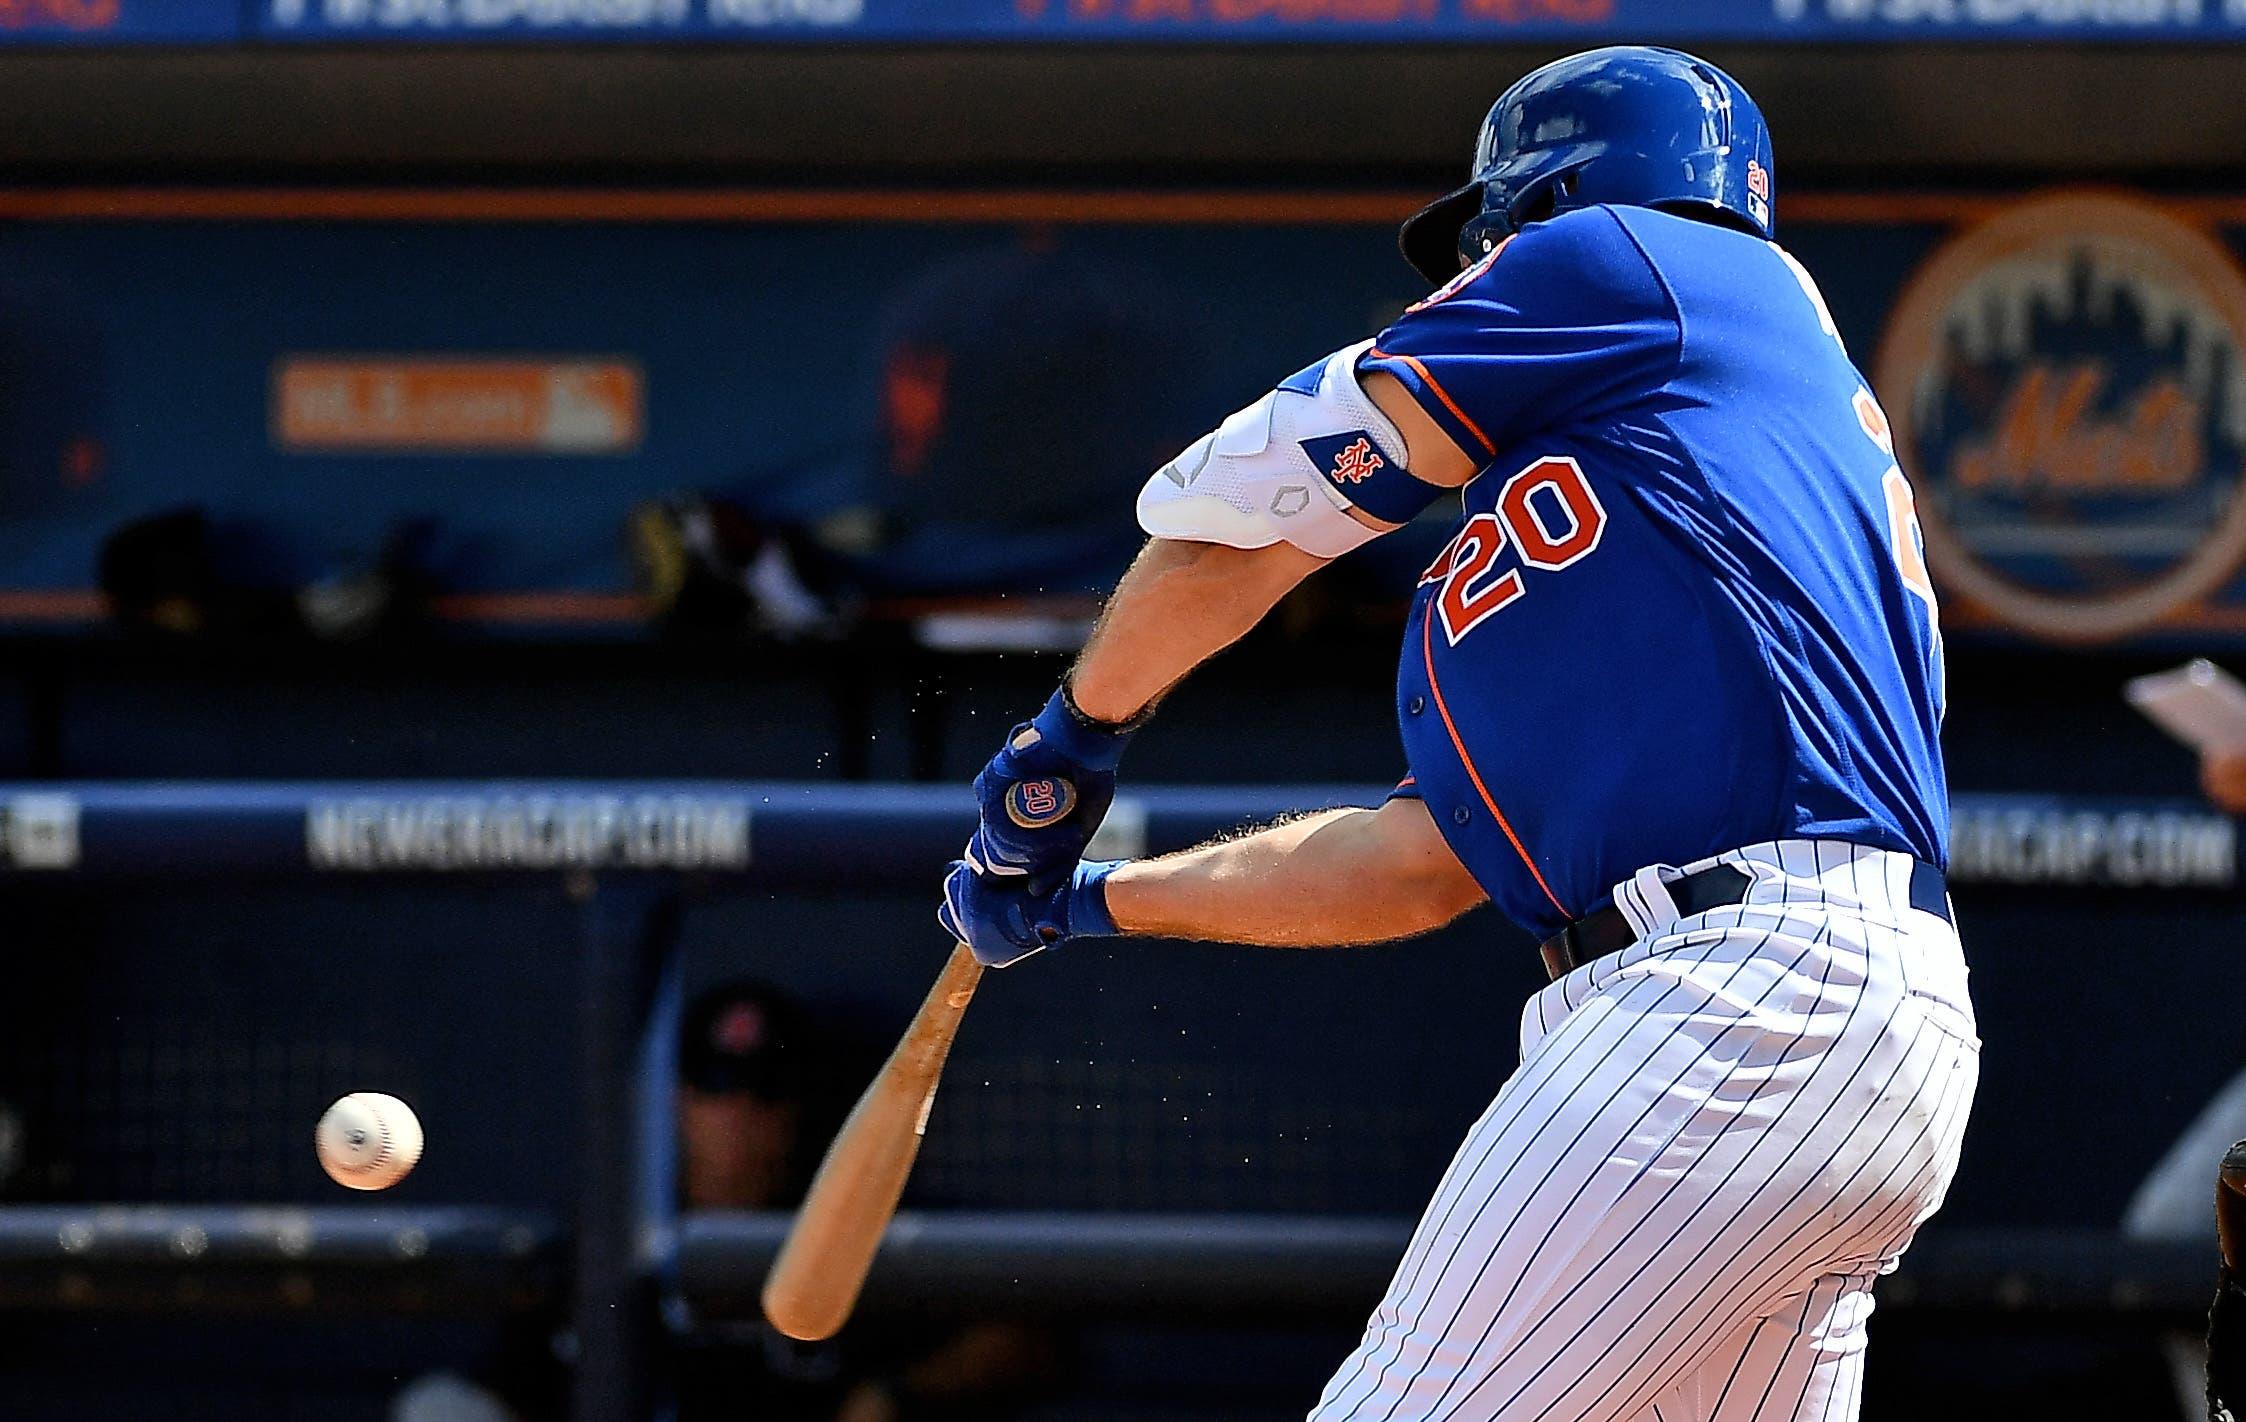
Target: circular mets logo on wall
2067,383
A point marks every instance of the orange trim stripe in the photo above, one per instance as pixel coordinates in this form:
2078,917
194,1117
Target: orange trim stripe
1073,207
870,205
543,607
56,605
72,605
1427,651
1440,393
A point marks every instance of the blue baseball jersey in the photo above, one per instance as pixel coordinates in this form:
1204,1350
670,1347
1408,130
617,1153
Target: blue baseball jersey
1688,608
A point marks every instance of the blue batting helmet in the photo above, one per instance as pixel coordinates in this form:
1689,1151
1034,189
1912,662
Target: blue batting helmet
1635,125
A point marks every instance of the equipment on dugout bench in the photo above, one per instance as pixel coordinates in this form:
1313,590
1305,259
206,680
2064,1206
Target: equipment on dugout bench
708,567
1633,124
2226,1321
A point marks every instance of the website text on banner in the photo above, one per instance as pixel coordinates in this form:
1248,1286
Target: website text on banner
219,21
1396,20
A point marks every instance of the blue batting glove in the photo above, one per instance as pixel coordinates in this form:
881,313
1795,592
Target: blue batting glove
1044,794
1005,923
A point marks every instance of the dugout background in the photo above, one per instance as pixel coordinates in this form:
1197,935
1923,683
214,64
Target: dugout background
151,1036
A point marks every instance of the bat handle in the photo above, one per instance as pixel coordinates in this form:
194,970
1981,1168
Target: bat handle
927,1042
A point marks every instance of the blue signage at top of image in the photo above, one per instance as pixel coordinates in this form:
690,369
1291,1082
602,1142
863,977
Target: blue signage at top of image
893,21
120,21
1263,20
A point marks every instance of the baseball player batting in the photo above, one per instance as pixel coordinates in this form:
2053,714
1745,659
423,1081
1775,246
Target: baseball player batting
1670,698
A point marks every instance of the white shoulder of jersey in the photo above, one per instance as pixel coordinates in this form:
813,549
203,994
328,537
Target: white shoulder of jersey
1260,477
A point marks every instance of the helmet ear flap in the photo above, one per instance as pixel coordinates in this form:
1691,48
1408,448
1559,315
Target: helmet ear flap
1434,236
1506,210
1481,235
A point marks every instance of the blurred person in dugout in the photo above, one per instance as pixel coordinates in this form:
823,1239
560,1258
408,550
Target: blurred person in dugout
762,1088
1020,393
2175,1202
992,361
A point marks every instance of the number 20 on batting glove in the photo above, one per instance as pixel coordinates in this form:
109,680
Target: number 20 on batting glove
1004,922
1043,795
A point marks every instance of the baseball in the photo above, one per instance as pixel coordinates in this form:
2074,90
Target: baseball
368,1141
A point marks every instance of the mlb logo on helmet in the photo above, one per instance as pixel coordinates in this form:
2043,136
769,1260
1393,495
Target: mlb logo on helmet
1758,192
2067,386
1345,459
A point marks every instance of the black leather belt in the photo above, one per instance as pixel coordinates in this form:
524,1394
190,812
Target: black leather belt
1606,931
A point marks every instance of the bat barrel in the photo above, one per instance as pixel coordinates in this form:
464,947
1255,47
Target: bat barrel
823,1264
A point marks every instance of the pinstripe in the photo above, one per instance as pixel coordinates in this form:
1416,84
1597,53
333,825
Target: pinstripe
1497,1249
1817,1327
1751,1238
1388,1314
1705,1334
1417,1257
1735,1299
1647,1213
1744,1354
1758,1270
1833,1383
1843,1381
1844,1387
1732,1377
1492,1140
1778,1365
1712,1240
1528,1093
1397,1314
1802,1256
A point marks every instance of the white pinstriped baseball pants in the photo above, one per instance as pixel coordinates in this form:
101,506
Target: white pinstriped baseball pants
1716,1139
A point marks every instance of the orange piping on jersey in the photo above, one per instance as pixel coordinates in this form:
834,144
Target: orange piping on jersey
1427,651
1440,393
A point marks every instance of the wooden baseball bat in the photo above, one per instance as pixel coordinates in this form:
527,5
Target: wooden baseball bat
822,1265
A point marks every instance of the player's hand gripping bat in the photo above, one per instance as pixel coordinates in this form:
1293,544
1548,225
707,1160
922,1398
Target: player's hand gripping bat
823,1263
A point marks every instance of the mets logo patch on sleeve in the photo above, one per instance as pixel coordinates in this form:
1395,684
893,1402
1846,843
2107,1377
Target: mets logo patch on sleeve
1345,459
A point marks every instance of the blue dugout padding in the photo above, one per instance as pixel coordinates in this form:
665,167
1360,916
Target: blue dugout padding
782,833
626,1260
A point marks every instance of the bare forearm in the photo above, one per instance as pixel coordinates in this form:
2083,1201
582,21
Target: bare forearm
1331,879
1179,605
1183,602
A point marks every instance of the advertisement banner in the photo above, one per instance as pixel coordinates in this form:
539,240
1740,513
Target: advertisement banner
25,22
2067,384
119,21
433,405
2063,375
1392,21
